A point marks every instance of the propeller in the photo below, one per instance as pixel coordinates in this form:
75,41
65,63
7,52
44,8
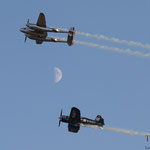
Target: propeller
60,118
27,23
25,39
27,26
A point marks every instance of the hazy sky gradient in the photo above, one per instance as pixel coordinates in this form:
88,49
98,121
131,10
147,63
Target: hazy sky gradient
96,81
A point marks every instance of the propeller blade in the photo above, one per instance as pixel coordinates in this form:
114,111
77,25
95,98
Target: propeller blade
59,123
28,21
25,39
61,113
60,118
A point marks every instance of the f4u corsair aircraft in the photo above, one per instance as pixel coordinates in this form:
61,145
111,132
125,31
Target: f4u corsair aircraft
38,32
75,120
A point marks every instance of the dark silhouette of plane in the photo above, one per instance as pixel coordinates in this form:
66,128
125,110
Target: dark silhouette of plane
75,120
38,32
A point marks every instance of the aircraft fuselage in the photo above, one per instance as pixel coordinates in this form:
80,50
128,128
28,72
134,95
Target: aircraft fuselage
34,33
83,121
39,31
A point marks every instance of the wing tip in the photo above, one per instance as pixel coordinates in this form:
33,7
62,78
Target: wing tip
41,14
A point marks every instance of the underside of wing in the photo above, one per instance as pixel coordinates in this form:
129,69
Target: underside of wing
75,116
73,128
39,42
41,22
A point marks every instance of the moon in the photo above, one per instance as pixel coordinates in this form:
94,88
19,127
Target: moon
57,74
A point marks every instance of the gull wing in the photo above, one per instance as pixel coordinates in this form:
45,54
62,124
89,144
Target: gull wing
73,128
41,22
39,42
75,116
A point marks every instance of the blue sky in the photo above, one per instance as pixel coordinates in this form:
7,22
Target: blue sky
94,80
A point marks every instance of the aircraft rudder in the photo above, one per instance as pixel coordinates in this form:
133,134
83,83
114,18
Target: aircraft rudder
71,34
100,119
72,31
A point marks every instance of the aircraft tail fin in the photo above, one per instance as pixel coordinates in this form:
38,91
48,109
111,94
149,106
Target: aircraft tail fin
72,31
71,34
99,119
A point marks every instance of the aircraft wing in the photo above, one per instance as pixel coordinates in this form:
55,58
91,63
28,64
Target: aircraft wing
41,22
39,42
75,116
73,128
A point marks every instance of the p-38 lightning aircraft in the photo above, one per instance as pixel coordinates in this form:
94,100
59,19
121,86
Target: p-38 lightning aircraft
75,120
38,32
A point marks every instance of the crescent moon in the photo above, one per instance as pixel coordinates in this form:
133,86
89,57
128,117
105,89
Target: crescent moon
57,74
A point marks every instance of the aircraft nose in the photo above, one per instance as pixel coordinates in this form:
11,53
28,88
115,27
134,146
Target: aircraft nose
21,30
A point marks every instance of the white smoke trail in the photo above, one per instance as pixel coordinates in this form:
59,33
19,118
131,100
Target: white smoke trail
130,132
115,40
115,49
127,131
